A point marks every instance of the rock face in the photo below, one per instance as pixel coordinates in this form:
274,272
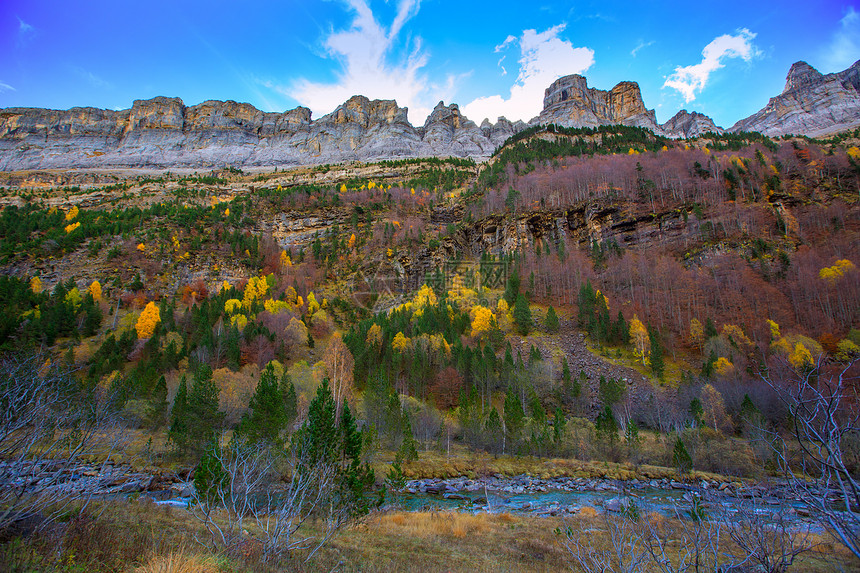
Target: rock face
569,102
811,104
164,133
688,125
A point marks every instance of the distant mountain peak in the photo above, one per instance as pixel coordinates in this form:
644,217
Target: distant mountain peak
811,104
801,75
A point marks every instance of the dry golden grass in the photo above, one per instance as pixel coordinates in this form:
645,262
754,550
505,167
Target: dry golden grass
426,524
179,562
472,464
587,512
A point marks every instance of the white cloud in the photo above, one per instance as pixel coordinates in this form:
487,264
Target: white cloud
4,87
844,48
26,34
364,51
691,79
544,58
24,27
640,46
508,41
93,79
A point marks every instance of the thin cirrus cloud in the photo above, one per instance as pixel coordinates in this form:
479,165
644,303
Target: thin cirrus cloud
844,48
4,87
641,46
544,57
365,53
92,79
689,80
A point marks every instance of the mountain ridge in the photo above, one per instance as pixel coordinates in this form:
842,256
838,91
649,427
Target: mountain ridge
163,132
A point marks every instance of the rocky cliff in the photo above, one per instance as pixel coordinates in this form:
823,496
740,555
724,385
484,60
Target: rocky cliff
811,104
569,102
164,133
687,125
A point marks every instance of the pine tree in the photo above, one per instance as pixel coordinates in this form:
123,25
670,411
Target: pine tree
231,345
681,457
522,315
656,354
710,329
158,408
512,287
178,432
558,424
551,321
513,415
534,355
210,476
291,406
326,445
203,415
697,411
536,408
92,316
407,452
266,418
493,428
606,426
318,437
708,365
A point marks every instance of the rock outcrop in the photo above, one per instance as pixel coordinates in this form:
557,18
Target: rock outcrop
811,104
569,102
164,133
687,125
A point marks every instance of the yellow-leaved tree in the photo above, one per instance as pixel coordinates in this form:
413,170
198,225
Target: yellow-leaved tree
400,343
36,285
374,337
714,408
286,262
837,271
723,367
313,305
483,321
697,333
800,357
255,290
774,331
735,335
148,320
72,213
503,314
339,365
351,243
639,339
96,291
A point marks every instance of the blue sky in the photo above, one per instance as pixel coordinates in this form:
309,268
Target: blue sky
724,59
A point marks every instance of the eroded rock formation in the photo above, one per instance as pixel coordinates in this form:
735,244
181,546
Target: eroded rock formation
811,104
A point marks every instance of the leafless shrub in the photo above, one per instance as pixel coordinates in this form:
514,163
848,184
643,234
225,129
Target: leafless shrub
772,543
48,428
624,550
258,497
825,414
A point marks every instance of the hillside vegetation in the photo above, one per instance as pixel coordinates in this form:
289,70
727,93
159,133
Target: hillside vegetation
601,295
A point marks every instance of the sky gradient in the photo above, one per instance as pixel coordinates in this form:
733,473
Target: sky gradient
492,58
